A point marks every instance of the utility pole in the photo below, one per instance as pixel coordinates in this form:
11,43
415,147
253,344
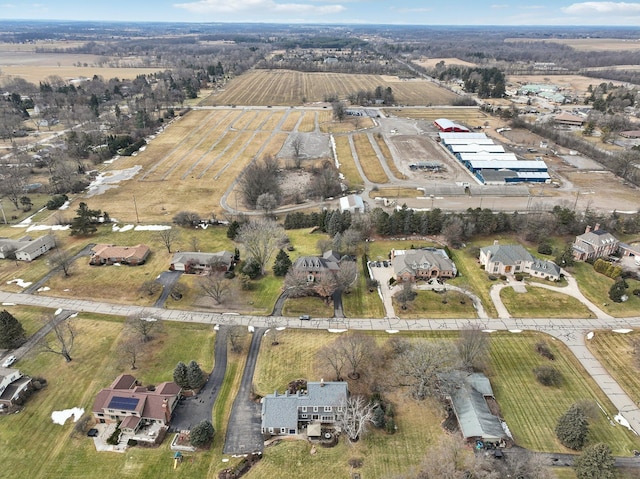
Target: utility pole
135,206
4,218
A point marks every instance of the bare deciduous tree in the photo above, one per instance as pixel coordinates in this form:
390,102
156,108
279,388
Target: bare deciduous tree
168,238
143,326
473,348
356,349
330,356
356,415
150,287
215,286
235,335
296,146
63,260
297,284
61,338
261,238
325,285
424,367
346,275
130,349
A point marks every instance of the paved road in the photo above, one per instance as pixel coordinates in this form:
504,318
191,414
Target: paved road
571,331
244,435
194,410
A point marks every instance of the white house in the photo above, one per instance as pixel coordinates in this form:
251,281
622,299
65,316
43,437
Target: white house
26,249
12,383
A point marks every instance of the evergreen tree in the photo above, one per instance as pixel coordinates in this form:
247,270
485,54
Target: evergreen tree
595,462
572,428
617,290
282,263
195,376
201,434
12,333
180,375
84,223
232,230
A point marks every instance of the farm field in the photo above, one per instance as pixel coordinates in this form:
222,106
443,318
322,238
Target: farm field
285,87
386,153
586,44
432,62
347,164
470,116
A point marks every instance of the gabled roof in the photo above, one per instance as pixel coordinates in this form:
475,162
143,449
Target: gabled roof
127,252
426,258
473,413
546,267
36,244
597,238
225,257
315,264
281,410
507,253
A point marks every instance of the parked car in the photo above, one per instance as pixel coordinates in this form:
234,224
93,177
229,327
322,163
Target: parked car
385,263
9,361
305,317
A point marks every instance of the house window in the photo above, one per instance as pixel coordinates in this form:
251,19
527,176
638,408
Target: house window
304,416
327,418
292,431
315,408
304,408
327,409
271,430
339,408
100,414
283,430
495,269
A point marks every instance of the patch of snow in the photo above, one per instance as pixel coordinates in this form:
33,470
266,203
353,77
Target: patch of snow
337,330
74,315
489,330
117,264
281,328
505,428
515,330
44,288
60,417
216,327
392,331
121,229
58,311
251,328
150,319
48,227
21,283
66,289
65,205
8,304
110,179
225,459
620,419
622,331
590,335
152,227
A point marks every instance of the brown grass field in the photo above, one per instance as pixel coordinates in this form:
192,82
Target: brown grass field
347,163
386,153
193,162
369,160
431,62
586,44
284,87
470,116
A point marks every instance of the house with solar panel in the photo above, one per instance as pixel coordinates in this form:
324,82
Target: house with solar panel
136,406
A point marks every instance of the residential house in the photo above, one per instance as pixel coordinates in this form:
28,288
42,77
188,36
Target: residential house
352,204
111,254
424,263
136,406
26,249
316,265
12,384
514,259
288,414
196,262
594,243
470,406
568,119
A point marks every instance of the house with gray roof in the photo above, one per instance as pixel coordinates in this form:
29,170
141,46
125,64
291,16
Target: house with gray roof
470,406
290,413
12,385
313,266
514,259
196,262
26,249
423,263
594,243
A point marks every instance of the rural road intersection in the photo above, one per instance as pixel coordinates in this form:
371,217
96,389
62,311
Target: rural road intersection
573,332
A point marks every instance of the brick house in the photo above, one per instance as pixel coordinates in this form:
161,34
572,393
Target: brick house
424,263
110,254
594,243
134,405
313,266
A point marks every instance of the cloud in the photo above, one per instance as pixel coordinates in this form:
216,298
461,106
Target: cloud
603,8
412,10
253,6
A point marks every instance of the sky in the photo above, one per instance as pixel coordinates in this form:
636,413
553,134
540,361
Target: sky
408,12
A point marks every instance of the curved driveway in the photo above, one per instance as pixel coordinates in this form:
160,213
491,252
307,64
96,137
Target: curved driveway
571,331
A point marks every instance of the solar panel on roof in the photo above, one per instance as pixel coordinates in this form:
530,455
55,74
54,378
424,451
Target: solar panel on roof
122,403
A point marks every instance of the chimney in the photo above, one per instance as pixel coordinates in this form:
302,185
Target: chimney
587,229
167,413
321,382
596,227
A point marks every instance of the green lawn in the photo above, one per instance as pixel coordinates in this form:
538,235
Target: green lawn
472,277
429,304
359,302
30,317
51,451
615,352
532,410
311,305
595,286
543,303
